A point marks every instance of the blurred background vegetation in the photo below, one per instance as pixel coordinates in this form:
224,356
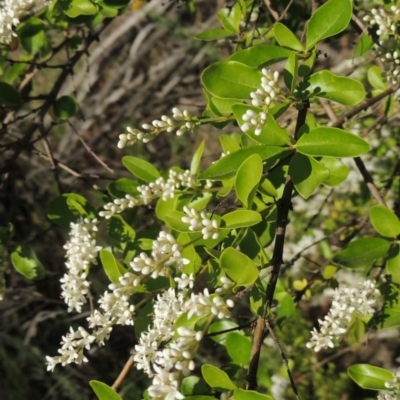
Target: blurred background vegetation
143,63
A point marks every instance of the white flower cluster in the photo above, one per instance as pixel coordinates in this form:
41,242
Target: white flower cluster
393,386
200,222
10,13
81,252
181,120
262,97
345,303
168,363
165,252
389,40
164,188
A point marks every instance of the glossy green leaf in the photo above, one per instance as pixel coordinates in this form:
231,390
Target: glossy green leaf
370,377
338,172
263,55
230,17
103,391
375,78
272,133
216,378
228,144
192,385
68,208
9,95
307,174
76,8
241,394
31,35
356,332
287,308
385,221
330,19
231,80
362,252
164,207
240,219
364,44
220,326
290,71
195,164
331,142
120,230
238,267
307,66
174,221
247,179
223,106
227,166
113,269
393,264
199,397
25,261
65,107
141,168
325,84
286,38
213,34
257,298
239,348
122,187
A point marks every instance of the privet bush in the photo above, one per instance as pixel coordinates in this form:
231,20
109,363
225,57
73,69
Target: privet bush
301,208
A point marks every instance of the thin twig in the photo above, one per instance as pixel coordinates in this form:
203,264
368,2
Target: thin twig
284,359
123,374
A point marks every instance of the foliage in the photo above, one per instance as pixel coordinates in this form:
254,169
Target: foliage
236,254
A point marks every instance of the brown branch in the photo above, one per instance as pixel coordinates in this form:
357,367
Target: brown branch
123,374
51,98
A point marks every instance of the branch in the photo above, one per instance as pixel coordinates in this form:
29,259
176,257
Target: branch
123,374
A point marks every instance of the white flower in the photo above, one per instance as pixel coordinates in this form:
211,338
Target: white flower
204,304
345,302
184,281
11,11
200,222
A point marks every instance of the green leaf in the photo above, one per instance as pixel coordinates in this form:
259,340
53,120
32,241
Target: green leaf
68,208
144,319
123,186
337,171
25,261
228,144
239,348
120,230
216,378
174,221
219,326
290,71
362,252
257,56
227,166
356,333
9,95
231,80
257,298
164,207
307,174
364,44
393,264
307,65
375,78
248,178
76,8
32,36
65,107
286,38
230,17
223,106
113,269
241,394
213,34
370,377
240,219
192,385
199,397
272,133
141,168
103,391
330,19
332,142
195,164
327,85
385,221
238,267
